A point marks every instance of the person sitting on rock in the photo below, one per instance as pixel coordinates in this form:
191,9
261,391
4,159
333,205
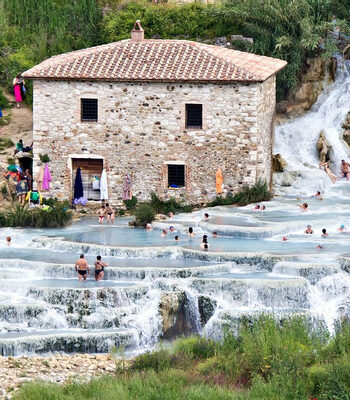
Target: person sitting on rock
19,147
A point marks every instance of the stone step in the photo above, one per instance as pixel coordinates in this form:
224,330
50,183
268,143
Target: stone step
313,271
256,293
74,341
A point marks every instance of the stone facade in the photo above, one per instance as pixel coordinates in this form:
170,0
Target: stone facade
141,128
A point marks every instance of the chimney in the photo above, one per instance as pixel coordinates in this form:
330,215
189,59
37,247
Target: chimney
137,34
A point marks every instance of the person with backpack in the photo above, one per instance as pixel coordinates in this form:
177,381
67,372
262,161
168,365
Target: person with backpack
34,198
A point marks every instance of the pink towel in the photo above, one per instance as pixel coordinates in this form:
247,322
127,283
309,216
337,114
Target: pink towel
47,178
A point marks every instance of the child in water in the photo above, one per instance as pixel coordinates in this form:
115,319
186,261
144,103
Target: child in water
101,214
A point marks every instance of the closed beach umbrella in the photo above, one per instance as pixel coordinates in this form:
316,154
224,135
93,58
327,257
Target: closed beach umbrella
127,194
47,178
78,185
103,186
219,181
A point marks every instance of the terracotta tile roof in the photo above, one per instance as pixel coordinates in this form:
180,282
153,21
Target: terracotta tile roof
157,60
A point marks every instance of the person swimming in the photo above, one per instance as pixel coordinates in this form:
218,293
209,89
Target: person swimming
263,208
257,207
164,233
8,240
309,230
215,234
324,233
172,229
304,207
284,238
190,232
149,227
206,217
204,243
341,228
177,239
99,268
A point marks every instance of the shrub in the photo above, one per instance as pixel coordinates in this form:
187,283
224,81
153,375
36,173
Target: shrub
54,202
4,190
164,207
246,195
156,360
44,158
253,194
196,348
144,214
3,101
5,143
130,204
11,160
22,216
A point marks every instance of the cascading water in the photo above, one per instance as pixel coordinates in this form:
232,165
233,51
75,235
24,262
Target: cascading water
296,140
160,285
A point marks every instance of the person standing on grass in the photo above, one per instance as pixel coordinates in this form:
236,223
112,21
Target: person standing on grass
82,268
18,85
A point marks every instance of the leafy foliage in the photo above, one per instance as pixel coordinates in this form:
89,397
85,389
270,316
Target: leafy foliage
3,100
164,207
44,158
5,143
22,216
247,195
144,214
130,204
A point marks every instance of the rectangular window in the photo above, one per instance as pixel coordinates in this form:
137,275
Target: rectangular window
194,116
176,175
89,110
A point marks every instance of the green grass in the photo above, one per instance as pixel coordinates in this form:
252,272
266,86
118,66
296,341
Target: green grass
267,359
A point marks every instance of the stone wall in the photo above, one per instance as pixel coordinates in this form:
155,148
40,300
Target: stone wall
141,127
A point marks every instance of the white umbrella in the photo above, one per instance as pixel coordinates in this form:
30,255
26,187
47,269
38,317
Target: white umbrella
103,186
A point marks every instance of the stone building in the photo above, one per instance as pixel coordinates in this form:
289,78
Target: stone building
166,112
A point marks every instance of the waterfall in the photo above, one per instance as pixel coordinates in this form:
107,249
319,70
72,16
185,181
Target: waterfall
296,140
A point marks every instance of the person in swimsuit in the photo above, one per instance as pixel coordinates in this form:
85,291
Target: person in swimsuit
164,233
309,230
8,240
304,207
325,167
82,267
177,239
324,233
110,213
101,214
257,207
204,244
341,228
206,217
190,232
345,170
215,234
99,268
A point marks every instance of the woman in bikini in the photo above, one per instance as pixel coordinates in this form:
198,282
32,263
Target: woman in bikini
110,213
99,268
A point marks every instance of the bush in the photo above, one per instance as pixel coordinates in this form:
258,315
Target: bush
5,143
196,348
54,202
22,216
247,195
253,194
164,207
130,204
3,101
44,158
144,214
156,360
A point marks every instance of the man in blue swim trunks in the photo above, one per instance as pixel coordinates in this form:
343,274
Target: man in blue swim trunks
82,267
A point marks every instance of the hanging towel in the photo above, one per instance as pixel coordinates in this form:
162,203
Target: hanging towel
40,178
103,186
127,194
78,185
47,178
219,181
